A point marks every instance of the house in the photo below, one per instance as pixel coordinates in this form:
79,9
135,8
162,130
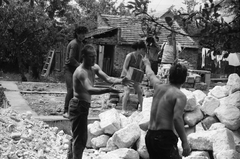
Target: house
115,35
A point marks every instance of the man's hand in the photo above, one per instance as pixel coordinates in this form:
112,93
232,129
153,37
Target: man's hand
127,82
186,149
146,60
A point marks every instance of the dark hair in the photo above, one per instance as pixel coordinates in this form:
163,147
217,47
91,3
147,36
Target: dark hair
177,74
88,48
80,30
141,44
135,45
149,41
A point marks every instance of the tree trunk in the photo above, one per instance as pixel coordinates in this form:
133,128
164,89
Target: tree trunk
21,67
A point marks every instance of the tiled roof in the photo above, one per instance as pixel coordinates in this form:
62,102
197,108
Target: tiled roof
99,31
131,30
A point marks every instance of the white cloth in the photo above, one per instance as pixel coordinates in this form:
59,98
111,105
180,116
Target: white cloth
234,59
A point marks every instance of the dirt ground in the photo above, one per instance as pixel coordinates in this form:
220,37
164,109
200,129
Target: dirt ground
48,98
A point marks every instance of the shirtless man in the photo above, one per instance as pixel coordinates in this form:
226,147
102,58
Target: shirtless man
83,88
166,116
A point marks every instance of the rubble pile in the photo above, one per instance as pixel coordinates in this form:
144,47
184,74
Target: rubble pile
212,123
22,137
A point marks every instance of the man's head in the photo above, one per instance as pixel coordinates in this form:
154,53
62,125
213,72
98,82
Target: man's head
89,55
177,74
169,38
80,32
141,46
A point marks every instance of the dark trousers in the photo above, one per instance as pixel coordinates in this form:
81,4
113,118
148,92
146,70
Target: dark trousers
78,115
68,74
162,144
154,66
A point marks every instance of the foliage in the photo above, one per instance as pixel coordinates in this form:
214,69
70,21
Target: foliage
214,32
92,8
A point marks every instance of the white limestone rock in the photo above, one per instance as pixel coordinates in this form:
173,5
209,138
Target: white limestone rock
219,92
99,141
227,154
200,95
124,120
192,118
231,100
122,153
233,83
216,126
209,105
198,155
110,121
126,137
229,116
136,117
201,140
223,140
90,136
110,145
191,100
147,104
141,146
95,128
199,127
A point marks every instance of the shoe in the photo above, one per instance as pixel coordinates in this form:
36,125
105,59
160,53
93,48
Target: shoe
65,115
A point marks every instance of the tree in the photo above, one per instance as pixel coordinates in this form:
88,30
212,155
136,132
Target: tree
91,8
215,33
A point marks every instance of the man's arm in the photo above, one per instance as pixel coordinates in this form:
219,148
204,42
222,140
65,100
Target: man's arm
179,124
72,55
111,80
149,72
86,83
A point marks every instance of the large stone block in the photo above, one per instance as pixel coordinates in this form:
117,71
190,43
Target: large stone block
231,100
209,105
122,153
110,121
229,116
126,137
201,140
200,95
192,118
233,83
219,92
141,146
223,140
227,154
99,141
95,128
191,100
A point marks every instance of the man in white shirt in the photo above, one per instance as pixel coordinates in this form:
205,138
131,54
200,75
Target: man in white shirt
168,57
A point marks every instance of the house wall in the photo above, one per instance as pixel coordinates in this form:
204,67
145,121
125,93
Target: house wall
120,53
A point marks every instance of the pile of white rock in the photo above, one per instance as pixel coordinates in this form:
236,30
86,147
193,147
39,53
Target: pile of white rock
116,136
21,137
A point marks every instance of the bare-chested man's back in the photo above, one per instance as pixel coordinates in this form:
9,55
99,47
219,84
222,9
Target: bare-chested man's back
166,116
164,100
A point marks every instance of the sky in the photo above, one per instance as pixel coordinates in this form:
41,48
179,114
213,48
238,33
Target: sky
161,6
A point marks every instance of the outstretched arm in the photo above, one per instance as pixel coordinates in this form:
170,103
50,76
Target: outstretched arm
111,80
149,72
87,84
